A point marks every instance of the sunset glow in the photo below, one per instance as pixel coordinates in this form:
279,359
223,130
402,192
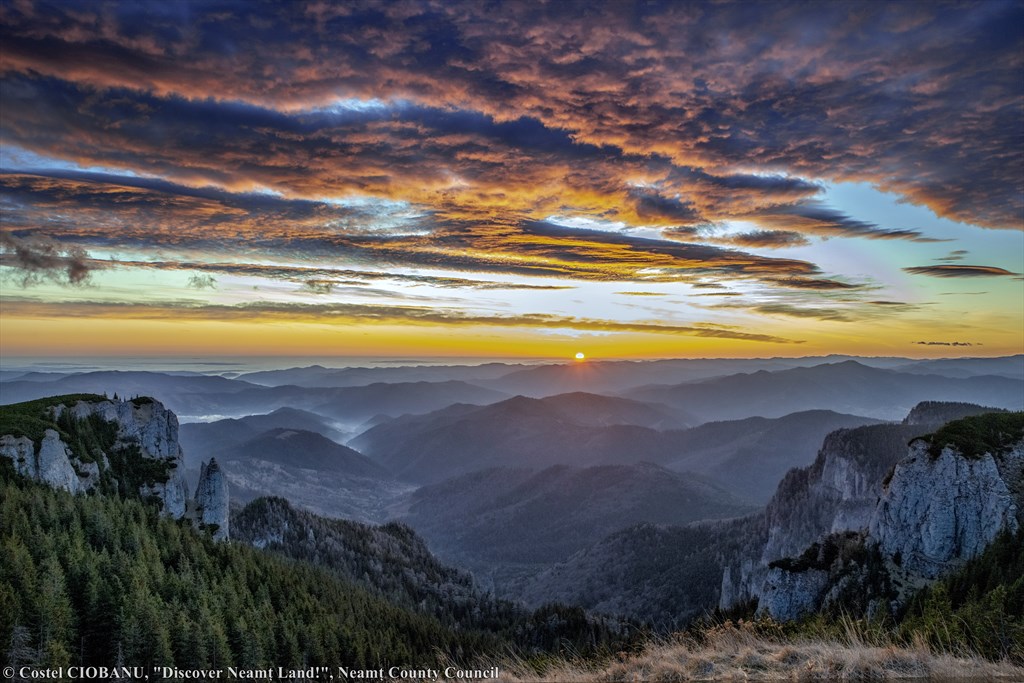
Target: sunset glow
441,179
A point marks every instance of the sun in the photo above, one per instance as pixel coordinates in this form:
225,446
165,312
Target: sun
580,355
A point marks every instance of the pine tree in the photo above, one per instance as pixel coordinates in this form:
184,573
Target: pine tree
21,653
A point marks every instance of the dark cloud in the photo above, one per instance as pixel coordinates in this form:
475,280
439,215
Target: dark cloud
803,312
77,202
946,343
920,99
37,259
202,281
959,271
327,276
769,239
318,286
818,219
957,255
653,205
813,283
450,159
890,304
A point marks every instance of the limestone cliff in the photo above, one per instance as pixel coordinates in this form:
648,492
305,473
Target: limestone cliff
837,494
212,505
84,442
943,504
148,425
789,595
51,462
939,511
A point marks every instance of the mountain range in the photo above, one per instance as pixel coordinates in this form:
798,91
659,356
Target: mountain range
846,387
501,523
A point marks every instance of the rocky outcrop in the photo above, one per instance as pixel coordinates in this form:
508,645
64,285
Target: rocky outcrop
837,494
147,424
938,512
51,463
834,495
142,421
952,495
790,595
212,504
144,429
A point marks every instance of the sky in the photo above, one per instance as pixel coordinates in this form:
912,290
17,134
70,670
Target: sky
511,179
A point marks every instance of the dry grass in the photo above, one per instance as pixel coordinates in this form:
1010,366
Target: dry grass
744,652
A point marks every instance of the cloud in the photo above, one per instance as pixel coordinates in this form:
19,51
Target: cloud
349,313
946,343
959,271
802,312
957,255
115,212
424,144
813,283
653,206
641,293
769,239
920,100
37,259
818,219
202,281
318,286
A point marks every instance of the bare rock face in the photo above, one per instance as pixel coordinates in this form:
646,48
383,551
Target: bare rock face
938,512
154,429
788,595
212,503
51,465
836,494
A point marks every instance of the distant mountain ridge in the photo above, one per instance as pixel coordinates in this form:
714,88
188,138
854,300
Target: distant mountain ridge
204,439
517,432
304,449
194,397
320,376
847,387
747,457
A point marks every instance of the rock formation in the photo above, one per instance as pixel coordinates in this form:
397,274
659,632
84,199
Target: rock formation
145,430
837,494
938,512
211,498
51,463
942,505
789,595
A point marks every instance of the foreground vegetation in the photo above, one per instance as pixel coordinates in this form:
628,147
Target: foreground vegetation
761,651
99,579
